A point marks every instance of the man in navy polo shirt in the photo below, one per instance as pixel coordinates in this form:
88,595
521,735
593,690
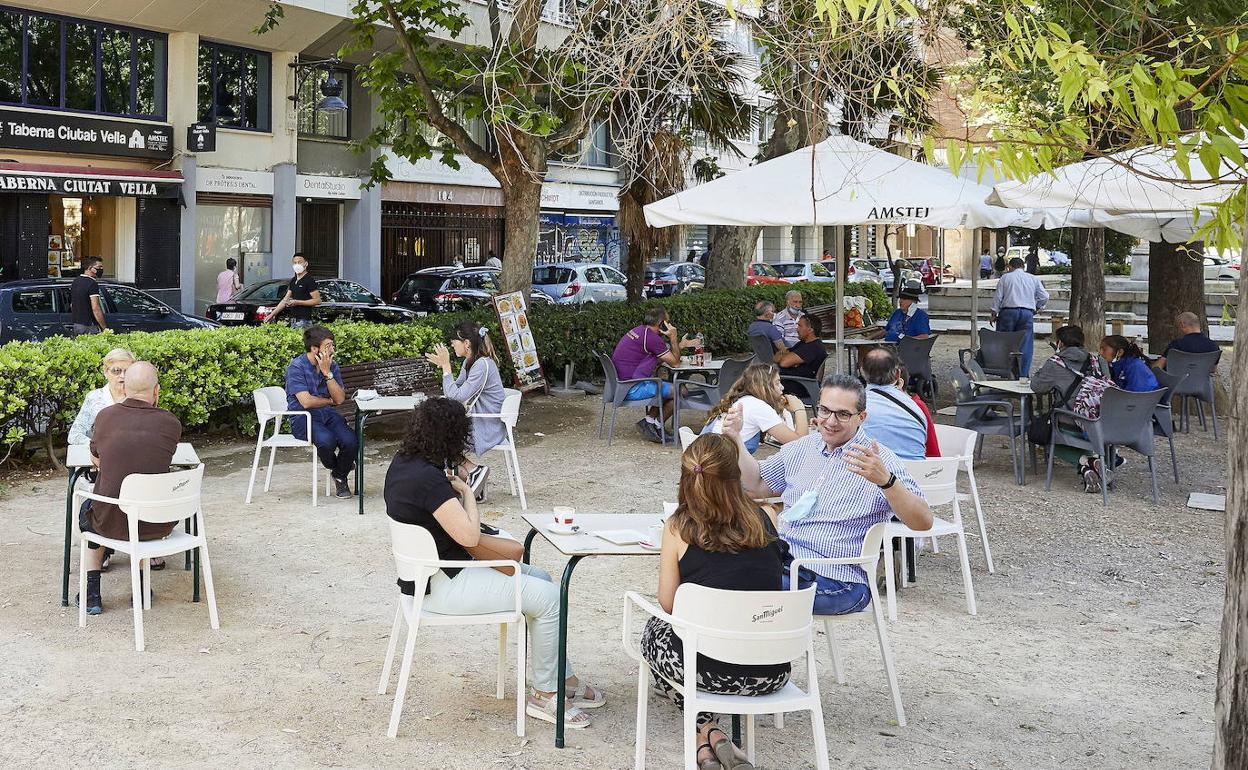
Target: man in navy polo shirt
314,385
1193,339
762,325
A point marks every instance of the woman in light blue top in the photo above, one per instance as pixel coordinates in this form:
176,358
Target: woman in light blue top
479,387
113,392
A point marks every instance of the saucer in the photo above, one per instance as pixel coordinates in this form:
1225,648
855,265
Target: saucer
647,545
563,529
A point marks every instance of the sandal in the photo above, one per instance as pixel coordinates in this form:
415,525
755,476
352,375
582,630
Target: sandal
708,764
578,697
157,564
544,708
729,754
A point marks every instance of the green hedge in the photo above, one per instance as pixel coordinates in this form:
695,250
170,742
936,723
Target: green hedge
207,375
1110,269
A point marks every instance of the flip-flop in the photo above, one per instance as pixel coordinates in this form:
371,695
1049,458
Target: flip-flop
729,755
545,709
709,764
576,697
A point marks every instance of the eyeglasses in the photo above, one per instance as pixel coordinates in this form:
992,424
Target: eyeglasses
116,371
840,415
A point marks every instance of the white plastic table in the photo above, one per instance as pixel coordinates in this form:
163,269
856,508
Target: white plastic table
576,547
375,406
1022,390
78,461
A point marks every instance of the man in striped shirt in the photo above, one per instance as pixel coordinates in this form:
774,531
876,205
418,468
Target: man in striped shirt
836,484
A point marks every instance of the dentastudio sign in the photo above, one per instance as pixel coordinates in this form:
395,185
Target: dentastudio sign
85,185
53,132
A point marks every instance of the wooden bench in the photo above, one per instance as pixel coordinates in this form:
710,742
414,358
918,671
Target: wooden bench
396,377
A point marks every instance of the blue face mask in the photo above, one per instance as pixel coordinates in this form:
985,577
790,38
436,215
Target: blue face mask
801,509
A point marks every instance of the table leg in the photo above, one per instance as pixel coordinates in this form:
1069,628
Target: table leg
195,574
911,576
561,693
187,554
359,457
1022,445
528,544
736,729
74,475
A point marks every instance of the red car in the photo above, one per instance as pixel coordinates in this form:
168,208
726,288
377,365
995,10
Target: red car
761,274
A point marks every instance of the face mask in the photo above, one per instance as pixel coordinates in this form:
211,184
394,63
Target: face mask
910,311
801,509
299,268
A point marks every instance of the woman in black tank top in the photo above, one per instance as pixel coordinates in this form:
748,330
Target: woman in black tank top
718,537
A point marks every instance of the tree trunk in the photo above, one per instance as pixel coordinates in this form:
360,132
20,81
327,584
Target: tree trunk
1230,712
635,268
732,248
1087,284
1176,284
522,200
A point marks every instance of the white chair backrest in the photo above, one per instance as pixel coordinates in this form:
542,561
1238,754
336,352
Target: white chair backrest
269,400
744,627
687,437
956,442
937,477
873,540
508,392
413,545
511,408
669,508
162,497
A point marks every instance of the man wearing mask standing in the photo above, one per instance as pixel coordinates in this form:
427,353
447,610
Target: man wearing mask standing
86,311
1019,295
786,320
302,294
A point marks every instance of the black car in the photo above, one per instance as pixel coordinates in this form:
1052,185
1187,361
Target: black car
340,301
450,289
34,310
663,279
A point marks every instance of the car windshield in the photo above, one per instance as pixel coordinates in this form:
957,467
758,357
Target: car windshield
550,274
271,291
657,269
817,268
762,268
417,283
791,269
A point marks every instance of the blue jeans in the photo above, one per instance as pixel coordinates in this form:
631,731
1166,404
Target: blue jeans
832,597
335,442
1019,319
644,391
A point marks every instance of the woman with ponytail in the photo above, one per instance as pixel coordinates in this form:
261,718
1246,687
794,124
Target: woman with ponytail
1127,364
479,388
718,537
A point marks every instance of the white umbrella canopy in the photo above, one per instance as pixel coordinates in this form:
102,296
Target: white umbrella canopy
839,181
1138,180
1173,227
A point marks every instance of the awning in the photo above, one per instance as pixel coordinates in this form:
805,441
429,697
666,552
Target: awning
88,180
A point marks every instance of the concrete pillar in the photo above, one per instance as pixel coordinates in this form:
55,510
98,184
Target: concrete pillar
776,244
284,204
189,236
361,239
808,242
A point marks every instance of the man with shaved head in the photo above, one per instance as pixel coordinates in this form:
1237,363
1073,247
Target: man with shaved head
135,436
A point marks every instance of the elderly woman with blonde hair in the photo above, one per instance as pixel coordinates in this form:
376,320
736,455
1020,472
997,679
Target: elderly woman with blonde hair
116,362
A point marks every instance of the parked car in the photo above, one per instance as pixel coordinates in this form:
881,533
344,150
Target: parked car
449,289
1020,252
927,267
909,274
1219,269
803,272
761,274
663,279
34,310
341,300
580,283
859,271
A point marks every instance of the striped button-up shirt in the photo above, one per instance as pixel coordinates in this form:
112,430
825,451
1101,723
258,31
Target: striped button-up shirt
847,507
787,324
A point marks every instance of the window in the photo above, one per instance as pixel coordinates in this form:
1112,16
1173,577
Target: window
593,150
234,86
614,276
819,271
130,301
594,275
353,292
546,276
33,301
317,122
72,64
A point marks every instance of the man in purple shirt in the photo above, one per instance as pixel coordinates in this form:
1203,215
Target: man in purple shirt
638,353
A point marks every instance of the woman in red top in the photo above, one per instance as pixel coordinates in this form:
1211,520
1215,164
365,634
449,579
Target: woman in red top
903,376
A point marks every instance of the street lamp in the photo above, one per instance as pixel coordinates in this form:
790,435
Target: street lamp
331,87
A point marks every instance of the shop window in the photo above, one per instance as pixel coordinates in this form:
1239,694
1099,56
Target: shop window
33,301
234,86
81,65
318,122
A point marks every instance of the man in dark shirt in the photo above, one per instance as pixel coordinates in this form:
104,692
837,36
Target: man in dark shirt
301,296
314,385
85,309
804,358
134,436
1193,339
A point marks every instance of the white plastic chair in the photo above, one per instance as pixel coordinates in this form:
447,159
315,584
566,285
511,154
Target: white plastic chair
937,477
510,416
157,498
271,405
687,437
742,627
867,559
416,559
960,443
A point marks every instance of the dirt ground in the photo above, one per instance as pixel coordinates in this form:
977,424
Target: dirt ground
1095,645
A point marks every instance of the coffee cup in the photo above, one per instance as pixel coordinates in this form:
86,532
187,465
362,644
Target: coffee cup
564,515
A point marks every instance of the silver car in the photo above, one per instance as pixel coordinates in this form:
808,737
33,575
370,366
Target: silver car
803,272
579,283
860,271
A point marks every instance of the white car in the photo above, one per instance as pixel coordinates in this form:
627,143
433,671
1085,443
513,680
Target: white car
1045,258
1218,269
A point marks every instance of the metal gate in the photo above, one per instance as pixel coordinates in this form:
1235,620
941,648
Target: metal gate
416,236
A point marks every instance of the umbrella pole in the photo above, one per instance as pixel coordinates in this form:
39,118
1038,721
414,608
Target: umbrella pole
841,269
974,300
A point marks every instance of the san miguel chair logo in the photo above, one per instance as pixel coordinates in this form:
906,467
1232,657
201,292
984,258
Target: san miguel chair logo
767,615
180,484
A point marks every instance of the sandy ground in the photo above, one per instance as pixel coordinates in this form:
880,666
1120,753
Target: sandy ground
1095,645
